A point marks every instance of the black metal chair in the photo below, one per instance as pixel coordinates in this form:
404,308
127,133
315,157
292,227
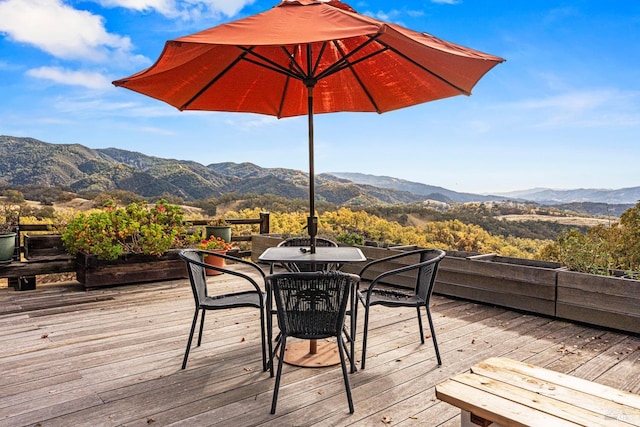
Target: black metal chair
252,296
425,270
303,242
311,305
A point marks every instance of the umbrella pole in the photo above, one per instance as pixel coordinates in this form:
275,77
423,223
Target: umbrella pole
312,220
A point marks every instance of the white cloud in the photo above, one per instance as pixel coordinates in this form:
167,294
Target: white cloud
60,30
588,108
157,131
88,79
394,15
248,122
573,101
164,7
446,1
228,8
185,9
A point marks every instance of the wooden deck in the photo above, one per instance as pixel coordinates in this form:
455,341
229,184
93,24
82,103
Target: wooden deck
111,357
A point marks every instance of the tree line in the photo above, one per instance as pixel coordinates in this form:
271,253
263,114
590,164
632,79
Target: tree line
468,228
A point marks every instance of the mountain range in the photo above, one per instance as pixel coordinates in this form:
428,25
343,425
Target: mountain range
28,161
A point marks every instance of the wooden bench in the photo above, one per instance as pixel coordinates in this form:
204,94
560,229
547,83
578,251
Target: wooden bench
503,392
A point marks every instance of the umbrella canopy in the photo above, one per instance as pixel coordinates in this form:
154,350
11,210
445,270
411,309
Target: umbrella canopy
305,57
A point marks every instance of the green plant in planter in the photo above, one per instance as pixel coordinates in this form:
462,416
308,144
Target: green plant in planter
218,227
214,244
218,222
9,217
135,229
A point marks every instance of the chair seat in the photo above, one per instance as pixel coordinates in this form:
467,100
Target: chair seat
240,299
391,298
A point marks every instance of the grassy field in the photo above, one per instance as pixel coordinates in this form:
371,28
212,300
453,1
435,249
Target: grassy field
567,220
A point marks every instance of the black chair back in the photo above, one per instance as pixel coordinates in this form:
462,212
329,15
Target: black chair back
197,277
311,305
427,270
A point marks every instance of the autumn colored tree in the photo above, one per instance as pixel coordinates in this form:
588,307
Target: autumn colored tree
600,249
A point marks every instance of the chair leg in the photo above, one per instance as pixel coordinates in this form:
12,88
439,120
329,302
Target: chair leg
433,335
352,347
420,325
278,341
364,337
274,401
201,327
264,342
345,375
270,331
193,328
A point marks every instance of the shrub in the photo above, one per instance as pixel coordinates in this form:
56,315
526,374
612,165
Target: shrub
353,239
600,249
9,216
136,228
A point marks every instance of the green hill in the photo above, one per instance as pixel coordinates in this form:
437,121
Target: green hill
27,161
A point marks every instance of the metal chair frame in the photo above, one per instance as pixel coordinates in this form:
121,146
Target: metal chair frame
311,305
425,269
247,298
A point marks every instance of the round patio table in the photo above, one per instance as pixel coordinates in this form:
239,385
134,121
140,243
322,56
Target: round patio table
314,353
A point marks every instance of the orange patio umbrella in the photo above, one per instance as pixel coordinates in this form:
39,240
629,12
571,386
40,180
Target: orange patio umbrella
305,57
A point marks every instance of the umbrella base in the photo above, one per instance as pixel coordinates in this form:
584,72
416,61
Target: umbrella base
298,353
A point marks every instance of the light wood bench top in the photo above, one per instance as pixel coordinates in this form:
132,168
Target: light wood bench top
512,393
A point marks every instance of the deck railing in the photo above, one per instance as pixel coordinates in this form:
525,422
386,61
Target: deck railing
42,251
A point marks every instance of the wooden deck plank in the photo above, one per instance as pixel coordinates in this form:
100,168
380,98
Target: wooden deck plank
112,357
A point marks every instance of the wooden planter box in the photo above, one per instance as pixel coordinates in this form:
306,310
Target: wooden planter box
260,243
608,301
44,245
516,283
136,268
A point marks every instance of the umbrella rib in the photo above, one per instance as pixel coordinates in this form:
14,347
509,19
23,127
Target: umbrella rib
212,82
318,59
343,63
273,66
425,69
284,96
292,62
357,77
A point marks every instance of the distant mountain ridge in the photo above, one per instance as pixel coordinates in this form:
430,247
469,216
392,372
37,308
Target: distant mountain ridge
28,161
429,191
593,195
539,195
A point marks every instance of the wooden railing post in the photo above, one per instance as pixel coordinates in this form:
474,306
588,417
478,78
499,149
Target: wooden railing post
264,222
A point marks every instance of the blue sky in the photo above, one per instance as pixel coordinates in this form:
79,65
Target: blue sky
563,112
